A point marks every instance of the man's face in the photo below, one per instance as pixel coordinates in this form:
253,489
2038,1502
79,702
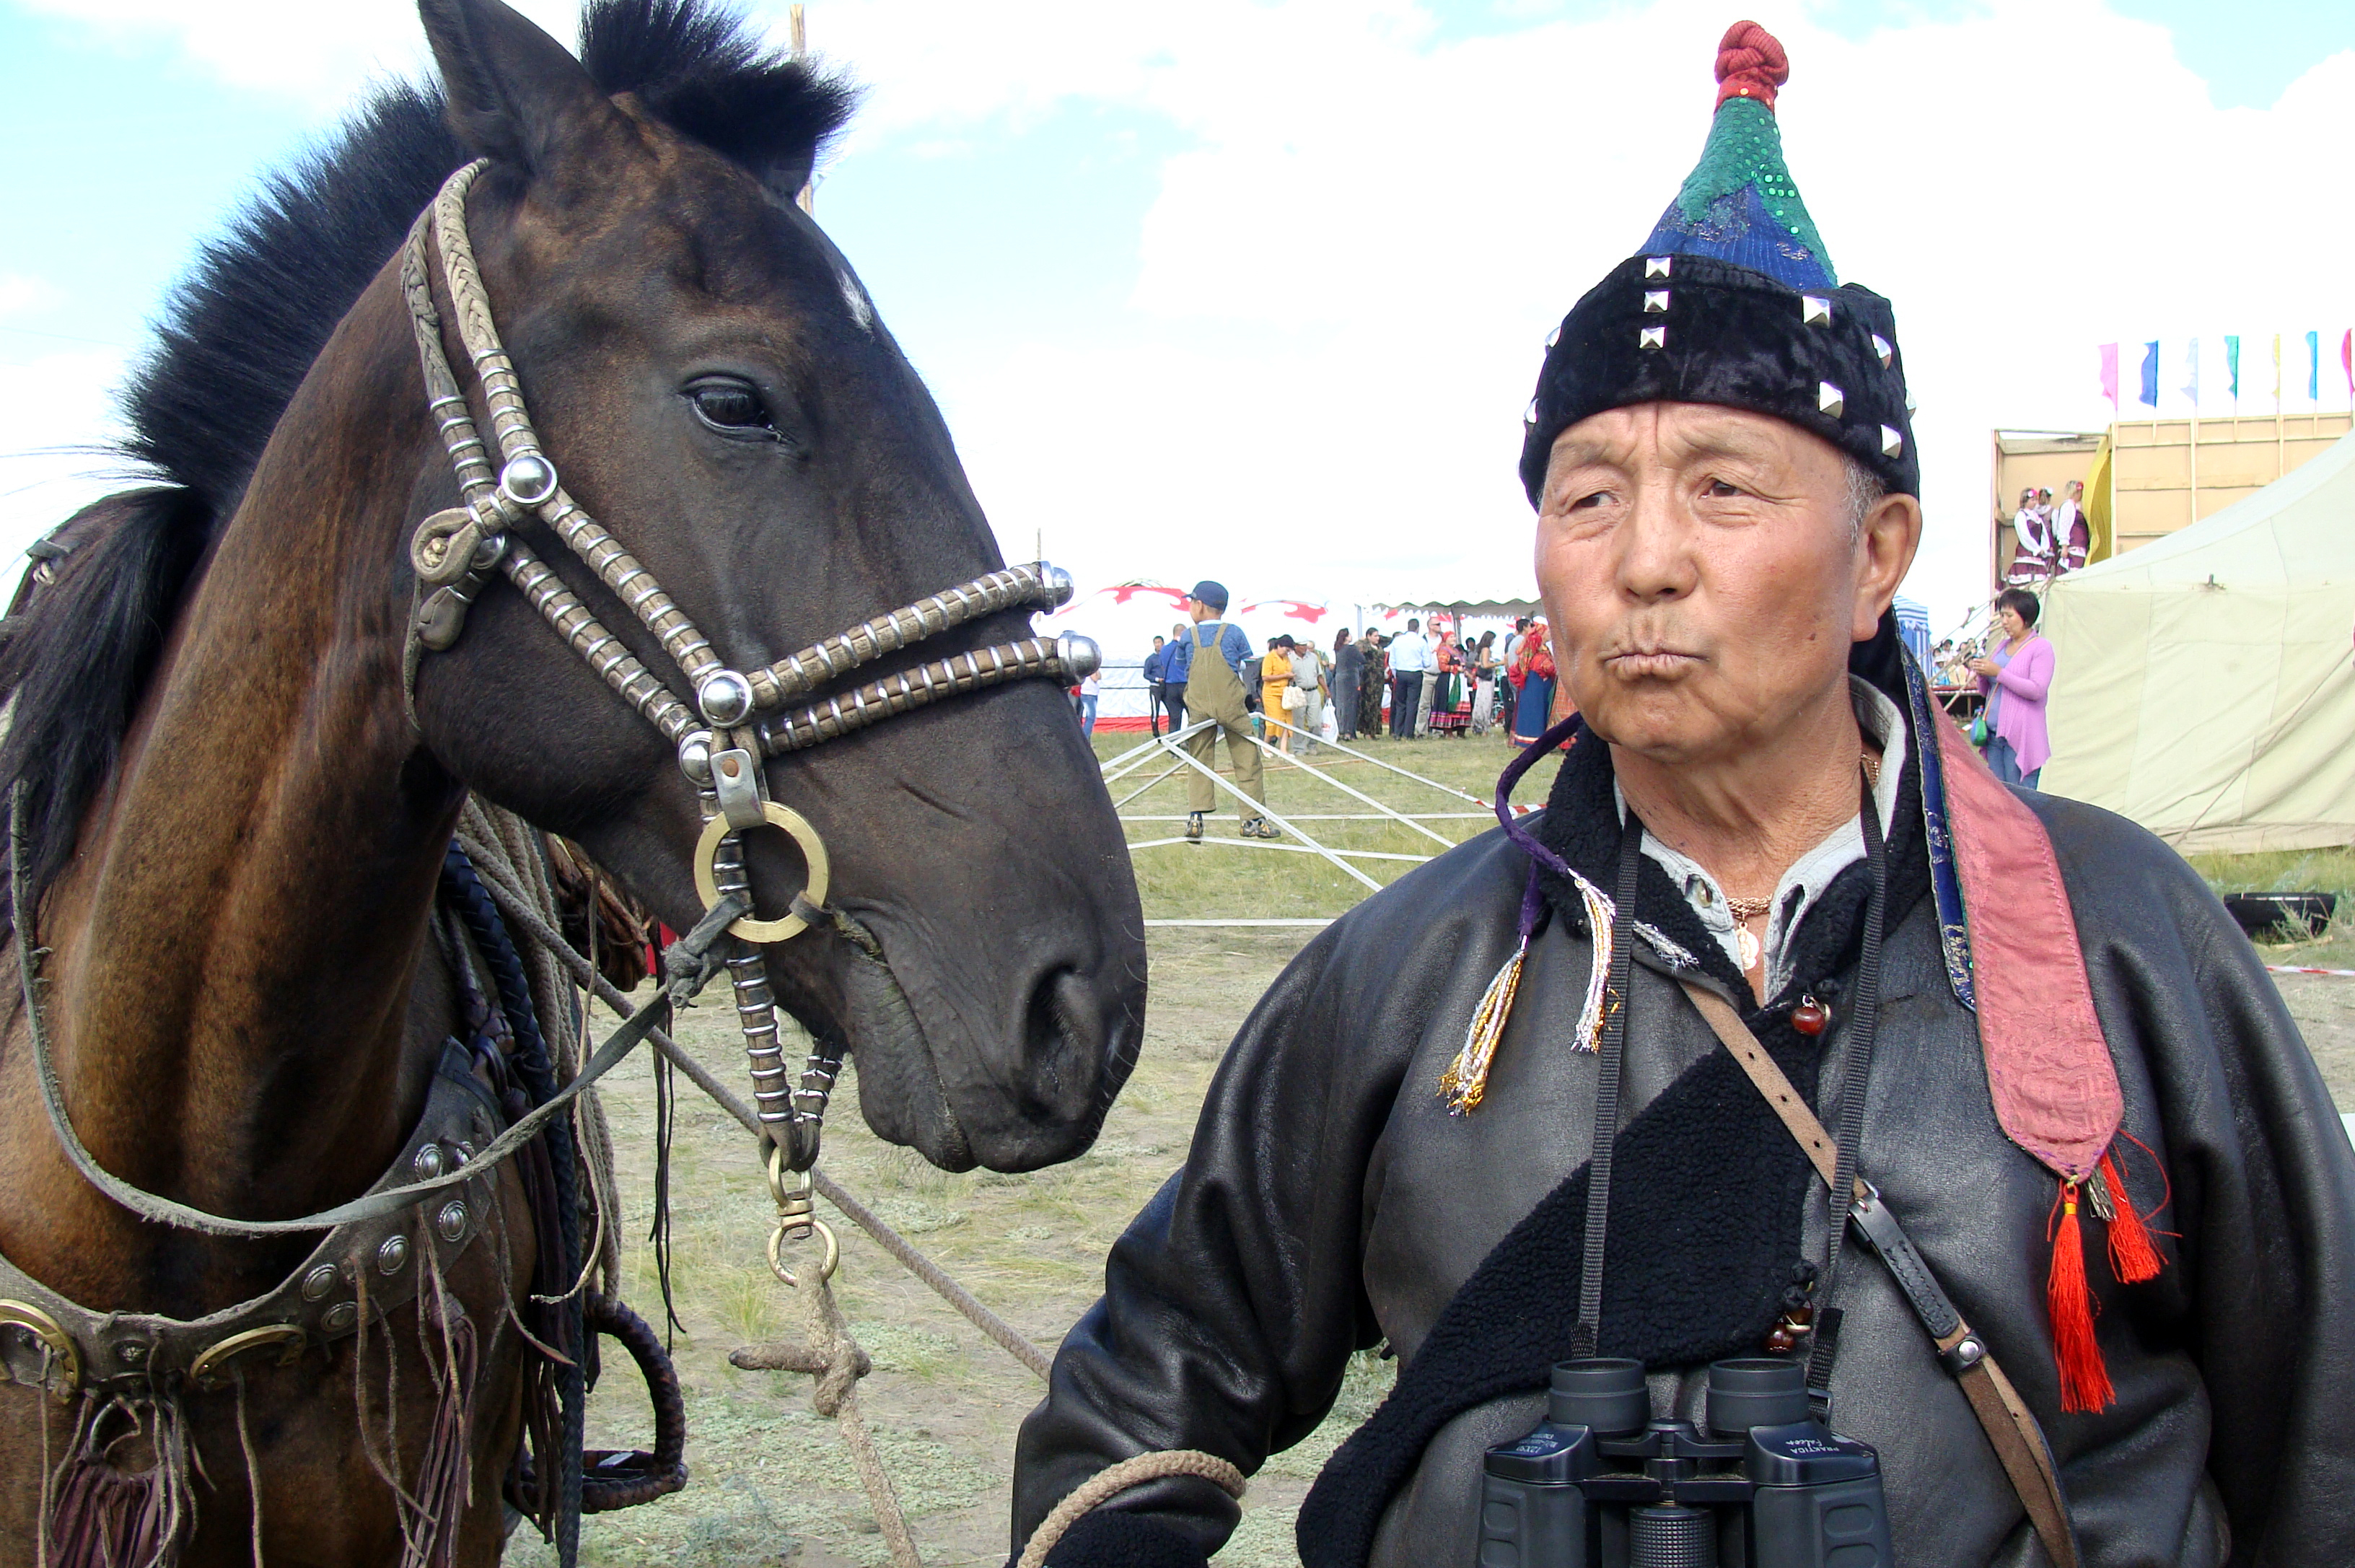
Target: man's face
1700,575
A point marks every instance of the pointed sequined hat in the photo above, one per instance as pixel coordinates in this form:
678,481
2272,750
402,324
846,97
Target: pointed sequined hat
1732,300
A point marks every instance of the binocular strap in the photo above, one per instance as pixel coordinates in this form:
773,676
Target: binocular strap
2011,1427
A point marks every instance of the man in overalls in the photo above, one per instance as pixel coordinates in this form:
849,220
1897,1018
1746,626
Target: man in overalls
1211,660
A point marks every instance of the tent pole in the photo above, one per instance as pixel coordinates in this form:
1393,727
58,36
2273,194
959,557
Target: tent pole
1434,784
1258,809
1130,760
1337,784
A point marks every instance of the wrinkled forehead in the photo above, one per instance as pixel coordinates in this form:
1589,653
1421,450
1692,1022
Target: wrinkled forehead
1675,434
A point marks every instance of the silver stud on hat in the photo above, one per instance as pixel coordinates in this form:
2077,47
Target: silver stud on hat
1529,415
1891,442
1881,346
1652,337
1815,309
1830,399
1655,266
1655,302
1553,337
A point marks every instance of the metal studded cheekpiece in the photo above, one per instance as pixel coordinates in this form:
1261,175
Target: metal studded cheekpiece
737,715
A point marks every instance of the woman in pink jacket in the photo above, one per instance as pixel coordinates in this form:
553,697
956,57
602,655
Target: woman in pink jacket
2017,677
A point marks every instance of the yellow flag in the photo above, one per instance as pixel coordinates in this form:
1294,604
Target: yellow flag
2277,372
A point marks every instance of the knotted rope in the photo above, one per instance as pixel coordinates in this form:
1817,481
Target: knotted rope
1750,64
838,1361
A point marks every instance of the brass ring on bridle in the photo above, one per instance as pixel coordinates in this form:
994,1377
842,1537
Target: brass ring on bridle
812,848
827,1262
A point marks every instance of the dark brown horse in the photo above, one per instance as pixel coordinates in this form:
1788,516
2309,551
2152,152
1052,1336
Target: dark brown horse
235,830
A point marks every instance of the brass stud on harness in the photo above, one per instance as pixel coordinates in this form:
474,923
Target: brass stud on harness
725,698
527,481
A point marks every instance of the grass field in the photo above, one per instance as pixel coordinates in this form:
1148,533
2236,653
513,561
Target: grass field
771,1483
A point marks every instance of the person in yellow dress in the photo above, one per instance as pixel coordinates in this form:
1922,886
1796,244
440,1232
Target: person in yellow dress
1274,677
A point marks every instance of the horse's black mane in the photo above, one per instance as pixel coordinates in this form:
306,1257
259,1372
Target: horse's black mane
240,332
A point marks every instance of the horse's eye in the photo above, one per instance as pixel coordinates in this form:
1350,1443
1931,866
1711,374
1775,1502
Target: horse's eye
729,406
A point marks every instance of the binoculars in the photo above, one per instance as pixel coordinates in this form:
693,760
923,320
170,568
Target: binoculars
1601,1484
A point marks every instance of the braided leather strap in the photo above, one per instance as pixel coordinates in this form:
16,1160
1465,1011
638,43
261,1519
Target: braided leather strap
910,689
606,654
871,640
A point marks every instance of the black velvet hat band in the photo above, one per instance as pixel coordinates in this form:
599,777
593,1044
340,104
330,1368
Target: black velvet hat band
1693,329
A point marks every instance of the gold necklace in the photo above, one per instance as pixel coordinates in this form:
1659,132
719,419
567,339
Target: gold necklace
1745,910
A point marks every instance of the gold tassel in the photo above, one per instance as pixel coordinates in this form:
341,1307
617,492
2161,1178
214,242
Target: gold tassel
1466,1078
1465,1082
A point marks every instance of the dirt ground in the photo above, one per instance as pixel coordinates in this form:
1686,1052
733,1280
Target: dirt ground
770,1481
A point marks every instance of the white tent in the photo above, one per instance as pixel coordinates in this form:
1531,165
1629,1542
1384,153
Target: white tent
2203,684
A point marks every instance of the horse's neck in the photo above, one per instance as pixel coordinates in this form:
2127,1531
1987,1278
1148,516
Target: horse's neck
236,940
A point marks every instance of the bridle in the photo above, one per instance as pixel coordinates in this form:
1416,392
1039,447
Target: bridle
737,718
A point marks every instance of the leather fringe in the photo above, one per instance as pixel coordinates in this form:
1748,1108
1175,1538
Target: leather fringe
431,1511
104,1517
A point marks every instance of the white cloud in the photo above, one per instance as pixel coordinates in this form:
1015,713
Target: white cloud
1348,268
57,409
311,51
22,295
1371,233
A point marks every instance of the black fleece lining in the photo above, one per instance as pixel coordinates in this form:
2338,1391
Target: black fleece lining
1706,1204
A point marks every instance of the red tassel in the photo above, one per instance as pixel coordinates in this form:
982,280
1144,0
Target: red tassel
2133,1258
2084,1381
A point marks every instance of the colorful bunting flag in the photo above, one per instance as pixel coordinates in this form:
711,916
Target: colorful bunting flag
2232,367
2314,367
2110,374
2347,361
2192,373
2150,373
2277,402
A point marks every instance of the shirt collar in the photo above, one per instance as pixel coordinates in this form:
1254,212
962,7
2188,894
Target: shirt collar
1808,876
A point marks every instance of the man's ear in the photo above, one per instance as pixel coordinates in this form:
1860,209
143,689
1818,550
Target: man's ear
515,94
1885,547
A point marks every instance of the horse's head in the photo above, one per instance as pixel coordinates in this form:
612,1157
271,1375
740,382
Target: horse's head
710,380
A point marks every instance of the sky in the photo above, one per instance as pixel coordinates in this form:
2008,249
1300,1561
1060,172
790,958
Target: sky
1256,289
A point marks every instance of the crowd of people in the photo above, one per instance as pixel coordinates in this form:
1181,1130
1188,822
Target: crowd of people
1408,686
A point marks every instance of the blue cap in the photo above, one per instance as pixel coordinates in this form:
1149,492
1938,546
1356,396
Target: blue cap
1214,594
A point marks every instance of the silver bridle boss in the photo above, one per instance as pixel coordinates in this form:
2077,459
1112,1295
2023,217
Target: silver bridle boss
719,743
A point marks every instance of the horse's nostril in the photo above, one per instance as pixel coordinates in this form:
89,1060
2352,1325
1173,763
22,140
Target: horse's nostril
1062,1043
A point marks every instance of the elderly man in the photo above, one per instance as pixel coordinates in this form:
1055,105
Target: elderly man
1970,1113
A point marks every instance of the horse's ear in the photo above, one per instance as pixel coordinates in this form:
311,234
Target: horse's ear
515,94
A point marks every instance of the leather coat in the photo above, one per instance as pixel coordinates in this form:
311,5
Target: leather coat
1330,1202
